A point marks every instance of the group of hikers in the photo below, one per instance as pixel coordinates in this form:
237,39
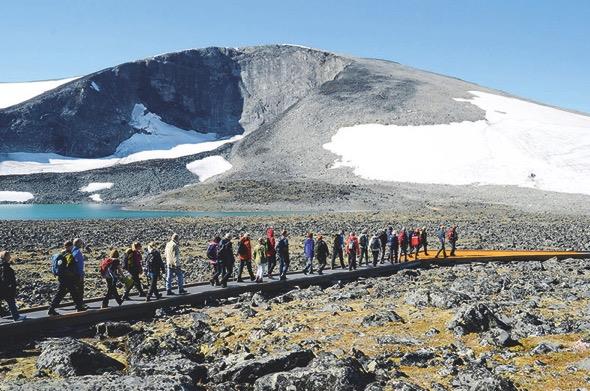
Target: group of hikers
126,268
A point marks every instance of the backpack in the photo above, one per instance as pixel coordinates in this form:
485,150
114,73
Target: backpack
450,235
212,251
128,260
351,244
363,240
105,266
375,244
415,241
242,249
57,264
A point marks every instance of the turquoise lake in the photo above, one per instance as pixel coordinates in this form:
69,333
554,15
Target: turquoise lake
103,211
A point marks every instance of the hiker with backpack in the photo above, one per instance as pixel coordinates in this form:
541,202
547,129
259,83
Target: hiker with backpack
282,250
353,250
212,249
132,263
402,239
321,253
384,238
173,266
308,251
63,266
393,244
364,245
410,234
337,251
245,256
260,260
415,242
155,269
440,233
80,260
225,259
8,286
271,254
452,237
111,271
375,246
424,240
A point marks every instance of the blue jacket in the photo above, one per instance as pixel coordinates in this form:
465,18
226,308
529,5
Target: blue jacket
79,258
308,247
441,235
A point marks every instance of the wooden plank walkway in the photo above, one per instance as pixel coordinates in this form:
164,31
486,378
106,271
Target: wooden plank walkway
38,323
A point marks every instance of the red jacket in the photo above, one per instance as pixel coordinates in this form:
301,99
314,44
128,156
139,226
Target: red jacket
270,248
355,245
247,255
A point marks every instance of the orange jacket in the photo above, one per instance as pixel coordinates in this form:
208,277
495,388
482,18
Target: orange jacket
247,255
355,245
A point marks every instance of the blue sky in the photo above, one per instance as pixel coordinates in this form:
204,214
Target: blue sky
538,49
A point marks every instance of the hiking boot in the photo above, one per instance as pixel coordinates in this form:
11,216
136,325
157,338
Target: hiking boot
20,318
212,282
147,299
252,278
170,293
142,294
102,307
182,292
52,312
224,284
82,309
239,280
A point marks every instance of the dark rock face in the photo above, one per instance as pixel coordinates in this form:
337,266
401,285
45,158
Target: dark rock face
69,357
436,297
113,329
475,318
381,318
481,378
325,373
220,90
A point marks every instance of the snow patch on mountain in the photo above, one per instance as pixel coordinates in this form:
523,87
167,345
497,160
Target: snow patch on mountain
95,197
15,93
519,143
96,186
209,167
95,86
15,196
158,140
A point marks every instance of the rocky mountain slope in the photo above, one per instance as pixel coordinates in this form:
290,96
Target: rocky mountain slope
280,125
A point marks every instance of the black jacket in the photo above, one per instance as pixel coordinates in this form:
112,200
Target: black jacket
225,252
154,263
7,282
321,250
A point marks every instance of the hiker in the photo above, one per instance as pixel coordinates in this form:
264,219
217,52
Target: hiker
424,240
393,245
337,252
8,286
410,234
111,271
225,259
282,250
402,239
212,250
321,253
80,259
132,263
384,240
440,233
173,266
353,250
271,254
155,270
260,260
245,256
308,251
364,245
64,268
452,237
375,246
415,242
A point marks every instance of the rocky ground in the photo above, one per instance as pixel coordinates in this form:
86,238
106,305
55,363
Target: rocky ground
494,326
494,227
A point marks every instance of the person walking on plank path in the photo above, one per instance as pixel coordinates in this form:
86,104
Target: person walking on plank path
64,268
393,245
225,255
260,260
271,254
353,250
8,286
308,251
212,250
283,253
80,261
133,265
402,239
383,237
173,266
337,251
111,271
364,245
375,248
440,233
452,237
424,240
322,253
155,270
245,256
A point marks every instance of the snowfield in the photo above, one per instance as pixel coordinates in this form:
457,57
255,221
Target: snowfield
95,197
15,93
15,196
96,186
519,143
208,167
159,141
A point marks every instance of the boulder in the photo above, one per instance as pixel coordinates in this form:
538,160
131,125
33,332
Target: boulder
475,318
480,378
546,347
69,357
113,329
381,318
325,373
419,358
248,370
436,297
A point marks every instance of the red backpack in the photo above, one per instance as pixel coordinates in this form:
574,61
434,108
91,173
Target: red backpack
105,265
415,240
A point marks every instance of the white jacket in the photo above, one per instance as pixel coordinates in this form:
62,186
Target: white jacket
172,254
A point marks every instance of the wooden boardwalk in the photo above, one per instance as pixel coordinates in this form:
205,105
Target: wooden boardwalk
38,323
